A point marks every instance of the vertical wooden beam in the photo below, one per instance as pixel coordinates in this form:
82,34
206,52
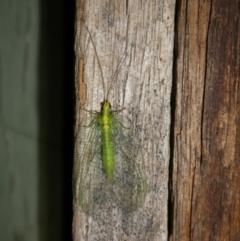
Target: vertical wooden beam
143,32
206,157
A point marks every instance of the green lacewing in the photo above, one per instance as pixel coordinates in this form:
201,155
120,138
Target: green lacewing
108,160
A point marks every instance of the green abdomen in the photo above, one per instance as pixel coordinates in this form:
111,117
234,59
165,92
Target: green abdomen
107,145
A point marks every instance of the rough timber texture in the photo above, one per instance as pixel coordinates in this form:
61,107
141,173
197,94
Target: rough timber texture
143,32
206,170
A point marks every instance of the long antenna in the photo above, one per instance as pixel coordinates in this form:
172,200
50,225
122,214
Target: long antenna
116,71
114,77
99,65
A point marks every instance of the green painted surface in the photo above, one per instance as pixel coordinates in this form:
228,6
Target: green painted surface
30,122
18,120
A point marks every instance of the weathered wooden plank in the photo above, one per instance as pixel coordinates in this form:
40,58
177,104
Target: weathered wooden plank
206,168
143,32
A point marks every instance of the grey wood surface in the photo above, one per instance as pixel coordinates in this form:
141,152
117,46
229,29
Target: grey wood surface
142,32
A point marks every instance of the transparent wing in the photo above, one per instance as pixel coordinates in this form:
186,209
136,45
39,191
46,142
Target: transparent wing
89,178
92,189
129,185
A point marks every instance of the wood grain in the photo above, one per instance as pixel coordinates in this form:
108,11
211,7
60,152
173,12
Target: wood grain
206,171
143,33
